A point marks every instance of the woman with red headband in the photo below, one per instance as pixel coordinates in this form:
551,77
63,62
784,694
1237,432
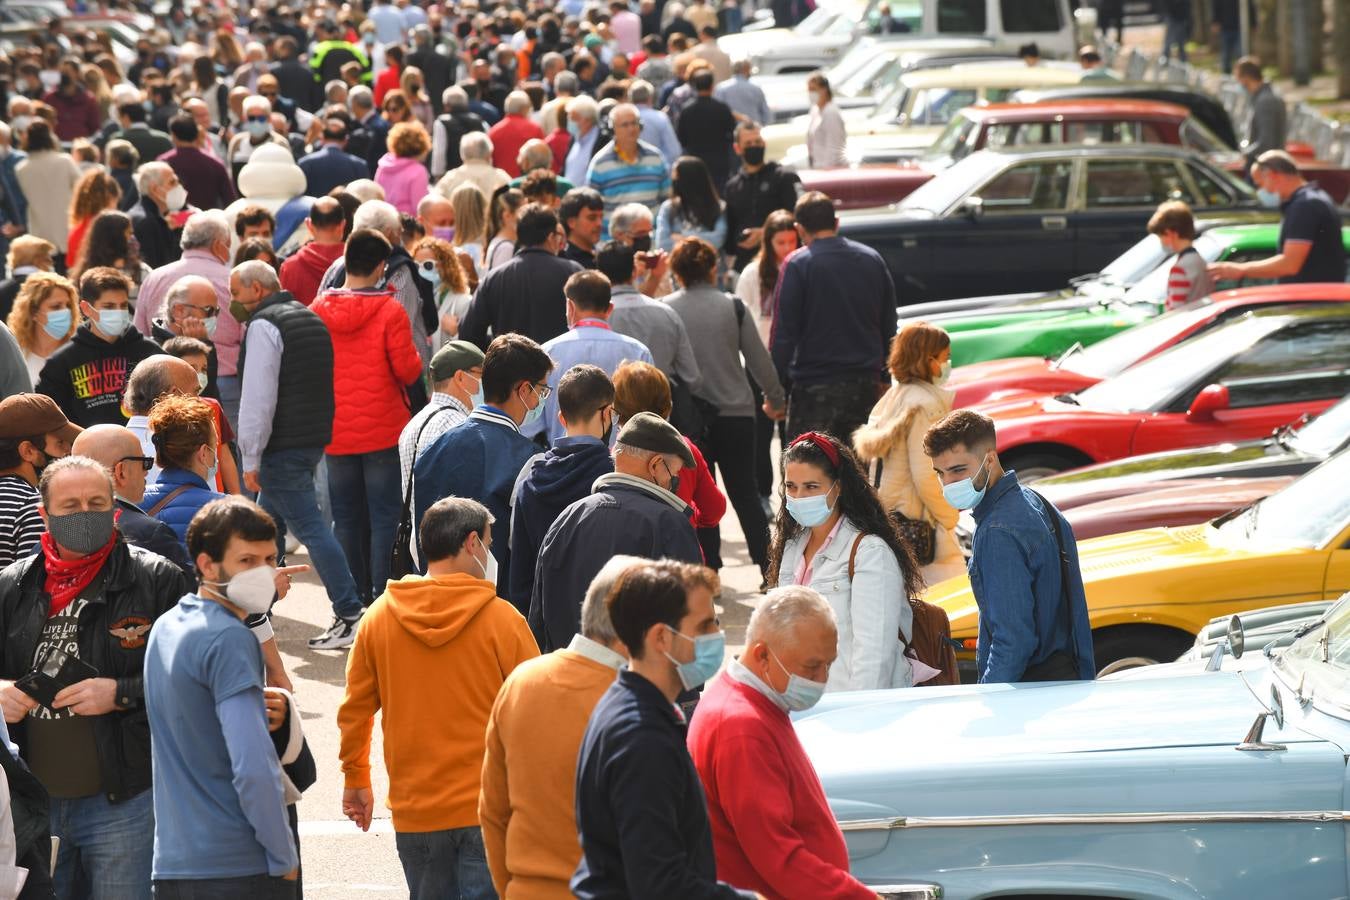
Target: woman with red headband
833,535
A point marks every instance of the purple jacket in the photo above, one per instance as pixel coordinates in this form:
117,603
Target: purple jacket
405,181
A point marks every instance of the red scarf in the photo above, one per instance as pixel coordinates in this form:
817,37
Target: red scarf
67,577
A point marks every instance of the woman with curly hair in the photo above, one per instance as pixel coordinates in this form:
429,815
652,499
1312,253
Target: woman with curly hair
471,223
401,172
44,318
411,82
95,192
438,263
112,242
833,535
183,430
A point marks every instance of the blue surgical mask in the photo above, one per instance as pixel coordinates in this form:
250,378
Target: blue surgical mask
531,415
802,693
209,324
113,322
573,129
1269,198
257,130
57,325
708,652
963,494
429,273
476,399
810,511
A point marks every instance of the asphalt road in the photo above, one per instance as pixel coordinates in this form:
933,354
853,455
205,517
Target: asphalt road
339,861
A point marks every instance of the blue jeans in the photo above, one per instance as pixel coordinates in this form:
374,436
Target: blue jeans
364,489
106,848
445,865
254,887
287,481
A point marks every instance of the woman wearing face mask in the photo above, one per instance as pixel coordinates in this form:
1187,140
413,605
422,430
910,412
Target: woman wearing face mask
410,81
502,247
401,171
471,224
44,318
891,445
388,79
826,135
437,263
187,451
834,536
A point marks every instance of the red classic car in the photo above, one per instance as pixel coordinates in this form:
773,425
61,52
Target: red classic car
1006,125
1183,502
1003,379
1239,381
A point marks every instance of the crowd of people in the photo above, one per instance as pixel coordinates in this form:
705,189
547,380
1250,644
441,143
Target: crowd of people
478,306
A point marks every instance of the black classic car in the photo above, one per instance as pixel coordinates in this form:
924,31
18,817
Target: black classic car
1029,220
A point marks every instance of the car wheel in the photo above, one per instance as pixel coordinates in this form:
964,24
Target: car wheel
1133,646
1034,464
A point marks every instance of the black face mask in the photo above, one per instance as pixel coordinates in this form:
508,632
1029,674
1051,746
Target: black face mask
642,243
753,156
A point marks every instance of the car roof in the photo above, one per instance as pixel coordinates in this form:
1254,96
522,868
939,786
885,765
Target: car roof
1095,151
997,74
1332,292
1088,109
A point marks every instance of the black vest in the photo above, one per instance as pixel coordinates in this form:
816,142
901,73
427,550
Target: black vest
304,415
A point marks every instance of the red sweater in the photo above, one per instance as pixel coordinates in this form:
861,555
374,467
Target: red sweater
303,271
773,831
508,136
701,492
373,360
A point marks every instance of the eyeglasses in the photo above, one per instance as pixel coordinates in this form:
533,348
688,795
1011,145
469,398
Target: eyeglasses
147,463
208,312
258,118
543,391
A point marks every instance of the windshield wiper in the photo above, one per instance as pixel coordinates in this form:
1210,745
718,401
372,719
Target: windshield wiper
1282,436
1084,279
1063,357
1069,398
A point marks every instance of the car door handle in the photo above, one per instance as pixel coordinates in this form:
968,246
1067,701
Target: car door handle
1054,223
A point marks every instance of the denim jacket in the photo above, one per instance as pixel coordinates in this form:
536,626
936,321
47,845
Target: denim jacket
1015,574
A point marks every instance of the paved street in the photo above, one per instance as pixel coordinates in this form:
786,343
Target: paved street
341,863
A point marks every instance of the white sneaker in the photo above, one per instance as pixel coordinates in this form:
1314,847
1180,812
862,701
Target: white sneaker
339,636
292,543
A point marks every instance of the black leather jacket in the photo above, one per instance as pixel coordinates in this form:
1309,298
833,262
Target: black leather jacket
138,588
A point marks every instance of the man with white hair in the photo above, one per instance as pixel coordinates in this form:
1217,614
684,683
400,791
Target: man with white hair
633,225
628,169
286,420
253,67
526,807
535,155
476,149
210,142
511,133
257,131
583,121
656,127
446,132
157,219
370,138
772,828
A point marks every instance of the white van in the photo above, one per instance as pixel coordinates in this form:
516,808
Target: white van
820,39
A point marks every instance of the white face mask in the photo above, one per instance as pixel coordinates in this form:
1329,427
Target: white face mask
176,198
488,565
251,590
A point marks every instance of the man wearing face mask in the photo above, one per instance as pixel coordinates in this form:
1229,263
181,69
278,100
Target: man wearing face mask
158,219
192,309
641,814
482,457
87,375
456,390
448,627
1024,565
220,821
771,825
88,598
632,510
755,190
33,432
553,480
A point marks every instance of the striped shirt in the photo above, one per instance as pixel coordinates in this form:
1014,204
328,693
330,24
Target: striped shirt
20,525
645,181
1188,279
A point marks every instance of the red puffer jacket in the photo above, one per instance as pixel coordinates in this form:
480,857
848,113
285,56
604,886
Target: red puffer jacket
373,359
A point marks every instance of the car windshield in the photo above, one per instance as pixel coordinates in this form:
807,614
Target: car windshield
1149,386
869,76
1327,433
1123,349
1152,288
1318,662
1136,262
820,19
1308,513
936,106
937,195
952,143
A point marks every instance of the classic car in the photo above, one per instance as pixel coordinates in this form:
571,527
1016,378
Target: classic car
1149,592
1204,106
1046,338
1181,502
1180,785
1034,218
819,40
1238,381
921,102
1271,626
868,70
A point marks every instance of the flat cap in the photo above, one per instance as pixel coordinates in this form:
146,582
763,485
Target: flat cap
648,431
33,415
453,357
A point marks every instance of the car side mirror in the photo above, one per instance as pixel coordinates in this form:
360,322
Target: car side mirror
973,207
1213,399
1237,641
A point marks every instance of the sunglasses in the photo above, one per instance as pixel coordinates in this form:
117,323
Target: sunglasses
147,463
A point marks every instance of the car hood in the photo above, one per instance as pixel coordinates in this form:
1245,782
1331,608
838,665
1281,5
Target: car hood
1125,746
823,45
923,311
751,44
1249,459
1001,380
1182,502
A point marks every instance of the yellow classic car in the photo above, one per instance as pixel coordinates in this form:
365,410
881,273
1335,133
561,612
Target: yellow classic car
1150,592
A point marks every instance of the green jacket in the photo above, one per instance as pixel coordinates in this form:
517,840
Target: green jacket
322,49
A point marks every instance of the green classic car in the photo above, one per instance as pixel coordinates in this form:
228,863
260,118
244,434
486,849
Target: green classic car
1050,328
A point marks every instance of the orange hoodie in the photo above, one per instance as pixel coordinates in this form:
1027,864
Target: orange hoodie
431,652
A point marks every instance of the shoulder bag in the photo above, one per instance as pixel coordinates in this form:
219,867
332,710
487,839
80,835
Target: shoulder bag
400,557
919,535
1061,665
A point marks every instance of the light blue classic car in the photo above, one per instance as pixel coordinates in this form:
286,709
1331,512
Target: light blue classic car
1190,785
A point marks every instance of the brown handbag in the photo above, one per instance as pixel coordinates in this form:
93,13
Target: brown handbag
918,535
